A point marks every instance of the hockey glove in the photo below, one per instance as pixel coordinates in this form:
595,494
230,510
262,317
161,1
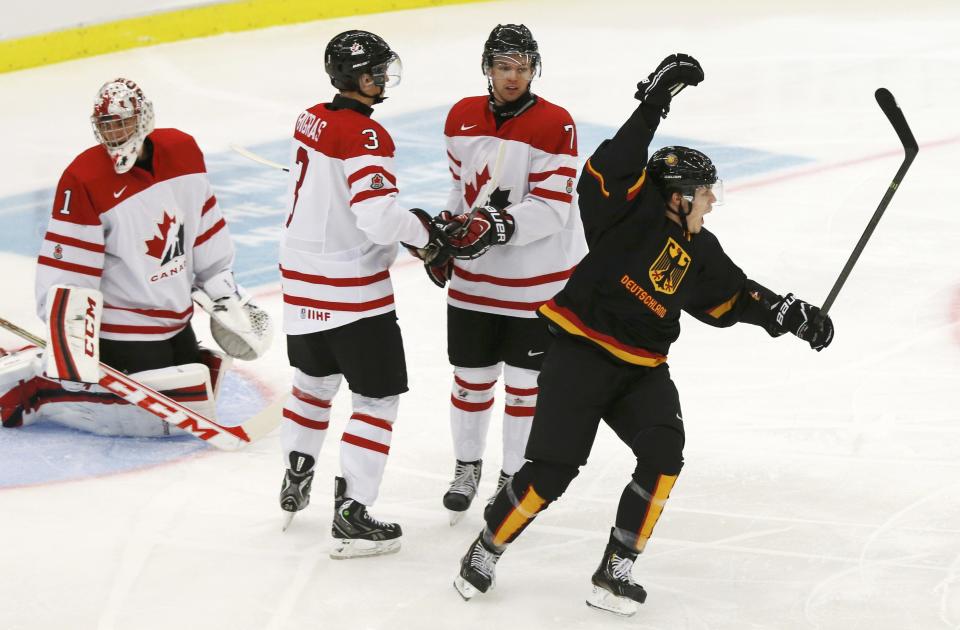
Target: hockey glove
438,230
480,230
672,75
803,320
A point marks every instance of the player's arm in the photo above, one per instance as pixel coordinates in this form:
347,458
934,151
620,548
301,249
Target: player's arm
72,250
546,208
455,201
615,173
726,296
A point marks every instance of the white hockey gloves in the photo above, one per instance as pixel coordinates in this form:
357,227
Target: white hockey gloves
73,329
241,328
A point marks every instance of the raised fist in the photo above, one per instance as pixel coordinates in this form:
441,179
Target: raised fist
672,75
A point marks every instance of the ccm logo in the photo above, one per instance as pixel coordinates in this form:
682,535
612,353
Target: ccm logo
90,328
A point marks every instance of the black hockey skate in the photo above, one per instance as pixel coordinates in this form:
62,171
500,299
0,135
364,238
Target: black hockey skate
295,491
613,587
477,569
501,482
356,533
463,489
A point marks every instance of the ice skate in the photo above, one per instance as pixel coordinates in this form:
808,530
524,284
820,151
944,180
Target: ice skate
477,570
295,491
462,489
613,587
501,482
357,534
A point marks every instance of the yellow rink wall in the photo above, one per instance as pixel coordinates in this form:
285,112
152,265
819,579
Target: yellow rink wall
201,21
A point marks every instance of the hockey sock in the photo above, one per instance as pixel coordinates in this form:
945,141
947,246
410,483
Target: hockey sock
520,403
533,488
365,445
306,414
471,403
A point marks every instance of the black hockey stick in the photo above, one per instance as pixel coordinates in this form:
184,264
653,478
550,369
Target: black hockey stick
895,115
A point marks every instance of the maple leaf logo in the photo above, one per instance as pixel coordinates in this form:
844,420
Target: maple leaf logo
472,190
169,244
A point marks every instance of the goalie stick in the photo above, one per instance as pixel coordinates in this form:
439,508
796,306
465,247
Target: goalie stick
895,115
250,155
197,425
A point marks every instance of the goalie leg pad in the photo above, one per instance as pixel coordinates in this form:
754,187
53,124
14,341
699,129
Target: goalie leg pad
93,409
73,329
471,404
19,382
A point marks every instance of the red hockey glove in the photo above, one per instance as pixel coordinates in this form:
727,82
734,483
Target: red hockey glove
483,228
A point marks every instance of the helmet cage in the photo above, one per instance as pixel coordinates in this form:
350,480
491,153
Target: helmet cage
122,119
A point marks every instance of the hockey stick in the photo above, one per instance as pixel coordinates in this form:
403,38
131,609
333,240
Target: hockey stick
197,425
895,115
250,155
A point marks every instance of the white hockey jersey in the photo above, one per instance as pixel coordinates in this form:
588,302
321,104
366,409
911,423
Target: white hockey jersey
343,222
537,183
143,239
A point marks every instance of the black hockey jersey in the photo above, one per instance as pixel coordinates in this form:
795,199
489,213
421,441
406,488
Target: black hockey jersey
643,269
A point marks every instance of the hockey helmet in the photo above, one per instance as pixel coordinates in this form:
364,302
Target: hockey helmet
122,119
352,54
510,40
683,170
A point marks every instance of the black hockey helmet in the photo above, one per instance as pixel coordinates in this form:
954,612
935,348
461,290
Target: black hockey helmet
683,170
511,39
354,53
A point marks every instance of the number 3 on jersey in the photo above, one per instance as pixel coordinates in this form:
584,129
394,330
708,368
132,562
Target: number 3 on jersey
303,160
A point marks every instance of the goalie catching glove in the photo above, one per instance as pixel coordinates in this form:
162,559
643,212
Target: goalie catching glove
242,329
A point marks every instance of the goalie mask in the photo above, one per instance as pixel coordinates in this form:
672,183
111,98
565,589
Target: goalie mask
122,119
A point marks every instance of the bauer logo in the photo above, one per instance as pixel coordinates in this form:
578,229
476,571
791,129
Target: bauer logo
668,270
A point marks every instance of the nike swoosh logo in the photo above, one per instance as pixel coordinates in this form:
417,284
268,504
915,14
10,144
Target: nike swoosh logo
117,194
466,127
679,418
531,353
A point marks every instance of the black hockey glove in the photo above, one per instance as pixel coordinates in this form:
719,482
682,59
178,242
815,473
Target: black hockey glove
672,75
439,229
803,320
481,229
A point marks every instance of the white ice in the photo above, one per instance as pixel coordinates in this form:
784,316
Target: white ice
820,490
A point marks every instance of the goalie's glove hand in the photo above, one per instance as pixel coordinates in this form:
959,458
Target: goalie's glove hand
481,229
438,229
672,75
803,320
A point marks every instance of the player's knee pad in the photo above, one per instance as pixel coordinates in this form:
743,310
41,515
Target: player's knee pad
381,408
473,388
659,450
521,387
320,387
548,479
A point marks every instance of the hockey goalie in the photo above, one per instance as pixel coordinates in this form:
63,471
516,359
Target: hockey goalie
134,238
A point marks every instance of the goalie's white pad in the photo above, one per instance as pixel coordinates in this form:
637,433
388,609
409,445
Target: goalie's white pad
91,408
73,330
241,328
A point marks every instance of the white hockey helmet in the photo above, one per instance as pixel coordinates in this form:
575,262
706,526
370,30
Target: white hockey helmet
122,119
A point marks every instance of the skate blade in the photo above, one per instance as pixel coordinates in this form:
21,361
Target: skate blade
359,548
466,589
456,517
287,519
603,599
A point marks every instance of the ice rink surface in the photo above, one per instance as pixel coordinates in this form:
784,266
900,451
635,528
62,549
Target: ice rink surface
820,490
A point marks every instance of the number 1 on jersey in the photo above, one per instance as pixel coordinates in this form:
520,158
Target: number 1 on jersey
66,201
303,160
